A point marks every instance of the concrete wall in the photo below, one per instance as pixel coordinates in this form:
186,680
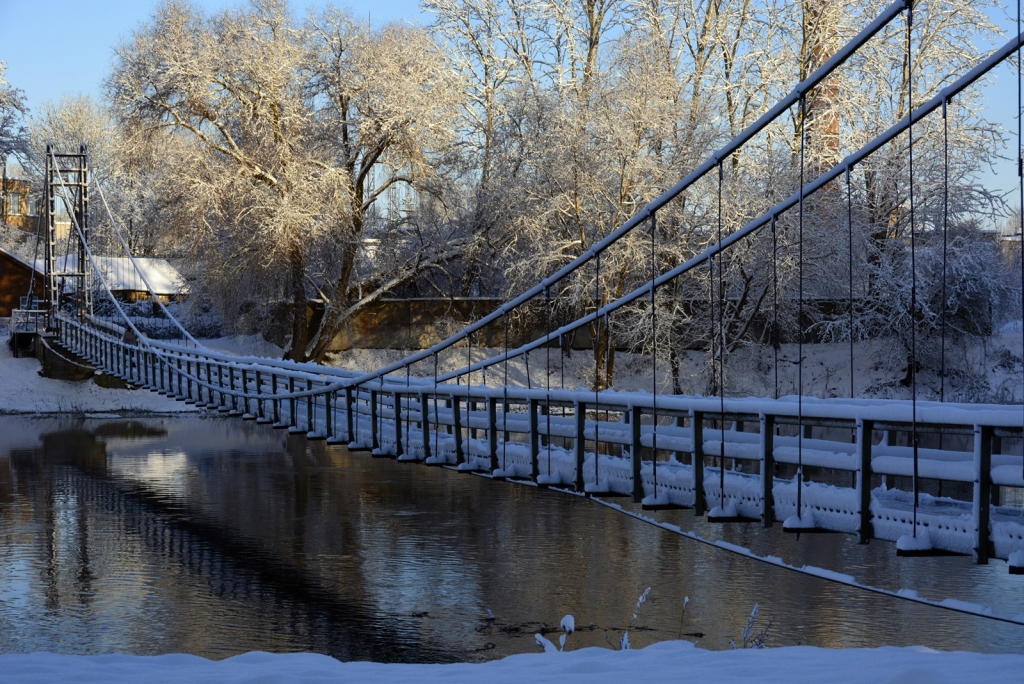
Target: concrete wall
422,323
416,324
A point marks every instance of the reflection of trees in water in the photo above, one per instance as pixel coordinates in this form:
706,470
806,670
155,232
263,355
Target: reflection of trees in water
234,566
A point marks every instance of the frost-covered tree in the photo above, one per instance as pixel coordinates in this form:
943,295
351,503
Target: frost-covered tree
13,135
129,169
281,123
581,112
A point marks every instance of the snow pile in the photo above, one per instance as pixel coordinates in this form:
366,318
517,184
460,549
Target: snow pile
244,345
666,661
920,542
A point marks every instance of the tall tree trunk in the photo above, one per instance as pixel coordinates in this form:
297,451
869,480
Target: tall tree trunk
300,317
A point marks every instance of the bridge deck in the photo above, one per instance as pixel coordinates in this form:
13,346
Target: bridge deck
855,476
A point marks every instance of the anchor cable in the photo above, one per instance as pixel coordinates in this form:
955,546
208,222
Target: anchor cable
800,320
721,348
913,264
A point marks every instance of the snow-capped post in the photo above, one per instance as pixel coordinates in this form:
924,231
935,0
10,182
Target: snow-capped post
982,490
310,408
349,434
534,440
291,400
374,441
398,424
259,397
580,442
767,469
275,403
329,414
425,414
492,431
697,448
865,531
460,456
246,415
634,453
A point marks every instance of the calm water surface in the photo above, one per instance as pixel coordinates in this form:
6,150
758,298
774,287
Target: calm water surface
216,537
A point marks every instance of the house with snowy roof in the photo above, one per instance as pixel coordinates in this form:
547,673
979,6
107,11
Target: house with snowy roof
125,277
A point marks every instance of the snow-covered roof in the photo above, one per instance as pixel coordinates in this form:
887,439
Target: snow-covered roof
121,275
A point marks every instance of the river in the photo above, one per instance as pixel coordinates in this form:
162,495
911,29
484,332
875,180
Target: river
215,537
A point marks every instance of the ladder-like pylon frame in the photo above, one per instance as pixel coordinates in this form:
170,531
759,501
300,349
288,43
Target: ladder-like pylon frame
66,183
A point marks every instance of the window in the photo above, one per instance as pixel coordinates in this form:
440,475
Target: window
14,203
32,206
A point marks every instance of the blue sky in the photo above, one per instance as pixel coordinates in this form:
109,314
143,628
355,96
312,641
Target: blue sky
53,47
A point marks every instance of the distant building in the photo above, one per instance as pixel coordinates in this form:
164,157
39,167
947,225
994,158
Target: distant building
19,206
119,273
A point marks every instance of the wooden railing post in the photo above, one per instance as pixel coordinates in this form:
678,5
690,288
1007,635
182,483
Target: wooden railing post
581,442
460,456
224,402
292,421
329,414
348,415
245,396
425,412
697,429
260,409
398,424
310,408
492,431
534,440
982,490
866,530
374,440
635,453
276,402
767,470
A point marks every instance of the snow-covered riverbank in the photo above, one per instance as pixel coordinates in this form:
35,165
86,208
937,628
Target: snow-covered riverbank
669,661
22,390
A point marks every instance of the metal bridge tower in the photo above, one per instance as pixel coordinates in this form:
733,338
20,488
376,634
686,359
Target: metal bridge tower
68,281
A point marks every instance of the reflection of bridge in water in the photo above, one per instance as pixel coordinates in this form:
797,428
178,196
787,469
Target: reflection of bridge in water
932,476
232,564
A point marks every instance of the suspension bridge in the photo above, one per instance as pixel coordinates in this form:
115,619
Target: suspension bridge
850,465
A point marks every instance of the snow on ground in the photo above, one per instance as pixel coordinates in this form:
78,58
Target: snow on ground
667,661
22,390
988,372
244,345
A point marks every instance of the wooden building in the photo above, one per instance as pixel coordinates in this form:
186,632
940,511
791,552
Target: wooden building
15,277
19,206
